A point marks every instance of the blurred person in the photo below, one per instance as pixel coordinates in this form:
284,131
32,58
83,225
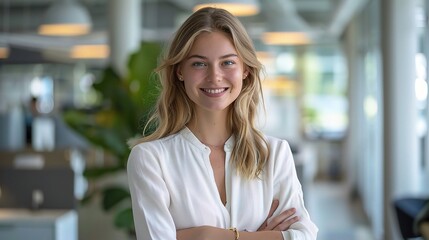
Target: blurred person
31,113
207,172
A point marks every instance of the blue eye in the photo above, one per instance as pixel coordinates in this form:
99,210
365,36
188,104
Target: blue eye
227,63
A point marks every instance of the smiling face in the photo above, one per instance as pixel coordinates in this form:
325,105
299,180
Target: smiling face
212,72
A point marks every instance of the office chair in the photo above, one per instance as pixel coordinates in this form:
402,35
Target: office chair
407,209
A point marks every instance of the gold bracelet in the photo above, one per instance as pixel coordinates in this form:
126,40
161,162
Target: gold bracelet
237,234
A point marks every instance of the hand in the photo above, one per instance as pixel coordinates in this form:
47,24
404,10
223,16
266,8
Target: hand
281,222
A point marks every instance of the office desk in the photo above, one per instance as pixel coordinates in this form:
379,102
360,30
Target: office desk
23,224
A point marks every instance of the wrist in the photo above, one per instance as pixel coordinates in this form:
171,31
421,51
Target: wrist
236,233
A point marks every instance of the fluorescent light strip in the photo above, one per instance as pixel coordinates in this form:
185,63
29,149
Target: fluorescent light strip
64,29
90,52
4,52
237,9
285,38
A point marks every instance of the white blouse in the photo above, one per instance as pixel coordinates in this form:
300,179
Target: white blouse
173,187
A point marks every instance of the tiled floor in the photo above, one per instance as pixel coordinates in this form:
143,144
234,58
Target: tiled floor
336,216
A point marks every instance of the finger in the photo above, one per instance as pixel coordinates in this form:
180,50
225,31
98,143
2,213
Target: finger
273,208
280,218
285,225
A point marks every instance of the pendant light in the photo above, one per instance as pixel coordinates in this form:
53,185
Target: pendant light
285,37
66,18
4,47
90,51
4,51
289,29
238,8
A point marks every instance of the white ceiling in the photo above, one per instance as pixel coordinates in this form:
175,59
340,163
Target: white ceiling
323,19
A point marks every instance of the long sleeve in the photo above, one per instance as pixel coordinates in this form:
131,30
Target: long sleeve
150,198
287,189
172,187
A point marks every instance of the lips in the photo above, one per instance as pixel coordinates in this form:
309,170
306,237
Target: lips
214,90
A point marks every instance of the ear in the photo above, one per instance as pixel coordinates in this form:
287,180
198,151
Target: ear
245,73
179,73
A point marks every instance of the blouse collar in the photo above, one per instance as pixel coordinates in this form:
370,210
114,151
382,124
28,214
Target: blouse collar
187,134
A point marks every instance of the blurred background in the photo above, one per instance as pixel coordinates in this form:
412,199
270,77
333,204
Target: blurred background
345,84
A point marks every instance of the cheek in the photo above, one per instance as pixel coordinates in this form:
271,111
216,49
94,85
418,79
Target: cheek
237,75
240,87
238,80
194,76
187,86
191,87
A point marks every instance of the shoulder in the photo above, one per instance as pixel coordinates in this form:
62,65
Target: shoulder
152,149
155,144
280,153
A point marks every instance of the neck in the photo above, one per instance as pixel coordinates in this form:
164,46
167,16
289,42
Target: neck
210,130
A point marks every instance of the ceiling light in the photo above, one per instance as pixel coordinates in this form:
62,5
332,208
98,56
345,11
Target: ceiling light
66,18
4,51
238,8
90,51
284,25
286,38
4,46
286,31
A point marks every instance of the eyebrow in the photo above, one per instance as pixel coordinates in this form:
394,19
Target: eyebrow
202,57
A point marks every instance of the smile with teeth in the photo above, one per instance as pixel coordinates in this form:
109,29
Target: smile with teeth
214,90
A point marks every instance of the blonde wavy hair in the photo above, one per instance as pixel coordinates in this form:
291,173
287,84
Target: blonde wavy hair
174,109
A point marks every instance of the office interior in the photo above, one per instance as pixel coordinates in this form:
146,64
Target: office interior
347,87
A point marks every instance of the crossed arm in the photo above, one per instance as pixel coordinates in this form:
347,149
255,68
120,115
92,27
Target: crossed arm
268,230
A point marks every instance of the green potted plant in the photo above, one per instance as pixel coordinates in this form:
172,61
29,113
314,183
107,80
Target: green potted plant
122,112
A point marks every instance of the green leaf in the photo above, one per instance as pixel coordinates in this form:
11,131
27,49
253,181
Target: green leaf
141,66
112,196
117,95
124,107
124,219
100,131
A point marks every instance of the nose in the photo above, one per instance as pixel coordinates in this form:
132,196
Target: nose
214,73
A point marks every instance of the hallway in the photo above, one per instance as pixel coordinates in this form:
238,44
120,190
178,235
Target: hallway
336,216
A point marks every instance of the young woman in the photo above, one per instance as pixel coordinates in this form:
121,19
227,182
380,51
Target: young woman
207,172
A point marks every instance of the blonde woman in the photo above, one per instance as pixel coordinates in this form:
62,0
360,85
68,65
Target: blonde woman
207,172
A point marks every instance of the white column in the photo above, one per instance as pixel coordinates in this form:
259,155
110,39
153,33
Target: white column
124,31
352,154
401,164
426,53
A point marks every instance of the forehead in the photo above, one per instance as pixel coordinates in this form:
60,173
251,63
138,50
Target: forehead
213,43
